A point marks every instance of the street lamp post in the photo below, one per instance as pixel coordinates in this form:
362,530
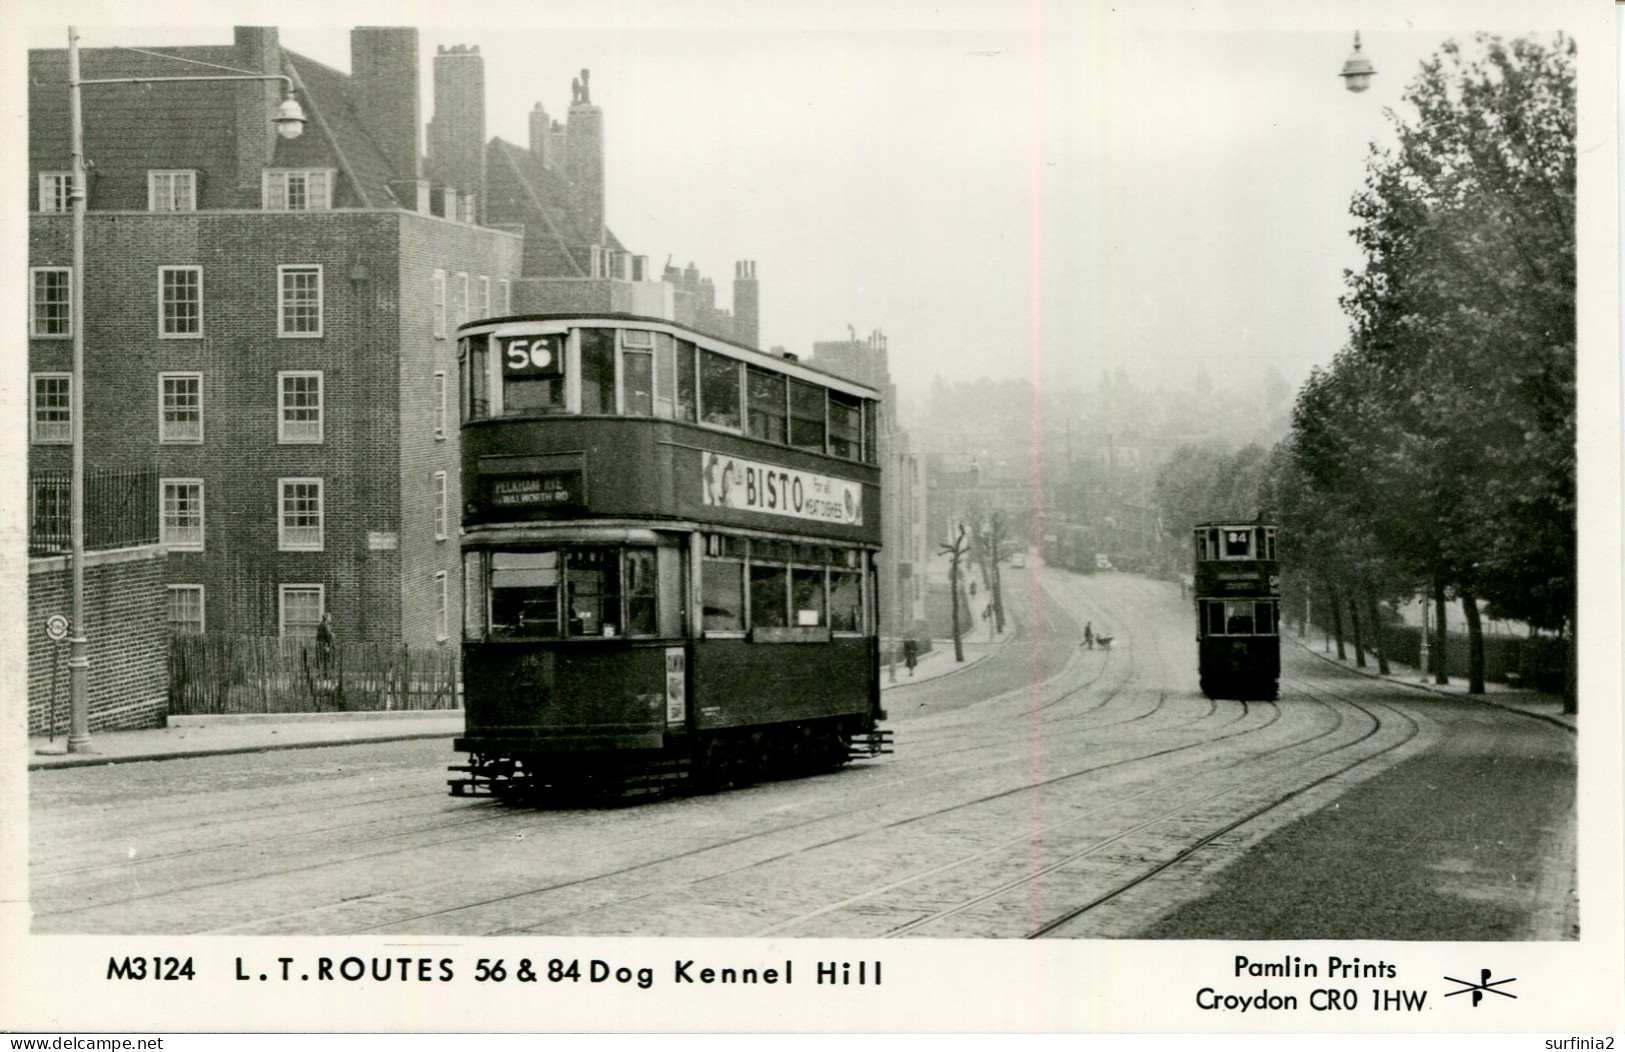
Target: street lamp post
1357,71
290,122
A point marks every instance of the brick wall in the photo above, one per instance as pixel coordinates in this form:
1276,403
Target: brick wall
126,615
376,357
427,244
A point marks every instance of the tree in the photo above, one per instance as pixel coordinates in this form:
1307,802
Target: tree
1438,452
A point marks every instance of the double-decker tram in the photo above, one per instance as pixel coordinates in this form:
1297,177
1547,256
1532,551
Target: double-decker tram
1238,599
669,548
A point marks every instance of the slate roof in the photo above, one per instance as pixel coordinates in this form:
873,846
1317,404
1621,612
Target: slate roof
130,129
521,189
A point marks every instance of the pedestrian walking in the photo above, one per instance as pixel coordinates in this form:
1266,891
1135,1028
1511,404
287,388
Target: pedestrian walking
911,654
1089,634
324,643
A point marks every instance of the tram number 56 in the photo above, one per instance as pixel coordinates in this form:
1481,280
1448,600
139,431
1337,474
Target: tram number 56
532,356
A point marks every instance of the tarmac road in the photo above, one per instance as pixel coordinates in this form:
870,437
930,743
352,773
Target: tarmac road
1049,790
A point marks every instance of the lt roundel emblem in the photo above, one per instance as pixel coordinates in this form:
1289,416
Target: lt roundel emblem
56,628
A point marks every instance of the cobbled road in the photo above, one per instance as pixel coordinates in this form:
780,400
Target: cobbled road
1046,791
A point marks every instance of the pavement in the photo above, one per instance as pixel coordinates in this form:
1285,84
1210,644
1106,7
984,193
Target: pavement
192,736
1548,707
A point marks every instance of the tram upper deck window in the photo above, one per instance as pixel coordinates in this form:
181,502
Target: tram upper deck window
476,376
807,424
688,382
637,372
597,370
845,426
765,403
719,390
665,387
532,374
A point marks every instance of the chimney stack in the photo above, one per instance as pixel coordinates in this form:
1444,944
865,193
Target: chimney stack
584,157
541,136
747,303
258,51
384,73
457,131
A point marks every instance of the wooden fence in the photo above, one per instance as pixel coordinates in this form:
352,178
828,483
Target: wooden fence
215,674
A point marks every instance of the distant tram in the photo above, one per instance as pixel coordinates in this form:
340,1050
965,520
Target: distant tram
1238,590
669,547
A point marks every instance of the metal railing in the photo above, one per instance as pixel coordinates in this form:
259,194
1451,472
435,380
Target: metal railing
121,510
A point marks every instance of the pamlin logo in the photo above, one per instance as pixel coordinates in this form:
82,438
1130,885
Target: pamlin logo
1482,987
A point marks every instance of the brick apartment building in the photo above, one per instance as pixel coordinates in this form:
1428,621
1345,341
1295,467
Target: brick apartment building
269,322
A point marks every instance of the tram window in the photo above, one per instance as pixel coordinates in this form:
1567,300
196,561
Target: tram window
845,601
719,389
524,594
1238,544
1201,546
870,431
687,383
637,372
807,416
722,594
476,364
769,594
532,374
1269,543
1264,619
1215,618
474,588
845,426
1238,619
765,402
597,370
807,596
640,592
665,401
594,601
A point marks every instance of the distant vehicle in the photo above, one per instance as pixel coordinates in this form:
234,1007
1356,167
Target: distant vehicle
669,560
1018,560
1238,590
1103,561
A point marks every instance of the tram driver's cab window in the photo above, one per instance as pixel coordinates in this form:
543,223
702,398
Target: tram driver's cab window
577,592
532,374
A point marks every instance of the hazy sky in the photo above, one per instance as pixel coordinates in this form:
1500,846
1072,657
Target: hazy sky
1005,188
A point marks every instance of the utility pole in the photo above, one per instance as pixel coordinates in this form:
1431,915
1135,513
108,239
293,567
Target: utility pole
955,552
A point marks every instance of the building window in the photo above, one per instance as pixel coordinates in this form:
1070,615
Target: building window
440,632
180,302
437,403
301,610
51,417
293,190
55,191
50,306
299,408
437,298
483,303
461,301
185,609
180,521
299,524
505,295
172,191
299,300
439,497
180,407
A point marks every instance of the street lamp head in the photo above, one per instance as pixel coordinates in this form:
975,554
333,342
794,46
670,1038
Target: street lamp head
290,118
1357,71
